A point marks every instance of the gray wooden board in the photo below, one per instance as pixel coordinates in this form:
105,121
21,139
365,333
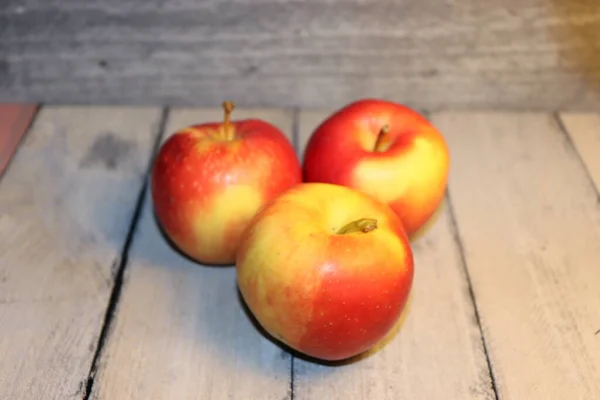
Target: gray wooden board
284,53
66,204
529,219
434,352
180,331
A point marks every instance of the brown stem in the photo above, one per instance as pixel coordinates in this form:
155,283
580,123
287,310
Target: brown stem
360,225
228,107
384,131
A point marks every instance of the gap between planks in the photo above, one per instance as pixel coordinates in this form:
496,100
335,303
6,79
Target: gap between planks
463,262
582,130
118,279
530,224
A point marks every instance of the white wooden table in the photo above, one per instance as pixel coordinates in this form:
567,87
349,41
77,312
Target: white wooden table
94,304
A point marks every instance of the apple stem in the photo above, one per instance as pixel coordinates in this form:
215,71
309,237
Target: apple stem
360,225
384,131
228,107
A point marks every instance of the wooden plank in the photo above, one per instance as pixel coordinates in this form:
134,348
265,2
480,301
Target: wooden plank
286,53
65,208
530,224
14,121
584,131
180,330
435,352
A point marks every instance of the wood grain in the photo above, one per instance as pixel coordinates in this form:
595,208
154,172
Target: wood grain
584,131
14,120
529,220
180,331
284,53
436,350
65,207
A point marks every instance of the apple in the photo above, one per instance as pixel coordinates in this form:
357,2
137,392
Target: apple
208,180
386,150
325,269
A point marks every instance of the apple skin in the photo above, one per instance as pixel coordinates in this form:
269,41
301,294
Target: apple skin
409,172
330,296
208,180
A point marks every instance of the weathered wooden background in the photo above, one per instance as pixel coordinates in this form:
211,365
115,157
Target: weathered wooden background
434,54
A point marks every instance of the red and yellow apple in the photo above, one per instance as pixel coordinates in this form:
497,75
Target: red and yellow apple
208,180
325,269
386,150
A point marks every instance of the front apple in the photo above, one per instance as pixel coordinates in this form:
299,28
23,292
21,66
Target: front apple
386,150
209,180
325,269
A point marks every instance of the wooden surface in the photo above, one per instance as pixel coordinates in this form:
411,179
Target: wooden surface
514,54
14,121
529,221
505,302
66,205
